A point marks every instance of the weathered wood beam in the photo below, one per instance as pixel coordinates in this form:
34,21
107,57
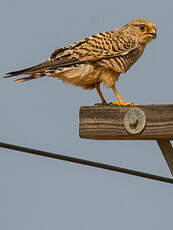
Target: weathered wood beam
143,122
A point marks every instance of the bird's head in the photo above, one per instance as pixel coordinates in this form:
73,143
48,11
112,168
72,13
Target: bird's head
144,30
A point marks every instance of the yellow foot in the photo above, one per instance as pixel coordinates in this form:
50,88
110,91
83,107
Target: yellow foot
122,103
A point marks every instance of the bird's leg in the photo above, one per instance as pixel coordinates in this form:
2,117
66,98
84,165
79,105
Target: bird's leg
101,95
120,101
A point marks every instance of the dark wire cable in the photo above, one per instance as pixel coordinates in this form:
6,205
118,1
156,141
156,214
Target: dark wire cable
86,162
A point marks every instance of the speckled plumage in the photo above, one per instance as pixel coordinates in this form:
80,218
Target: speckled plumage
100,58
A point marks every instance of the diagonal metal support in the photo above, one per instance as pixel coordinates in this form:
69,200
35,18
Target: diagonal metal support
167,150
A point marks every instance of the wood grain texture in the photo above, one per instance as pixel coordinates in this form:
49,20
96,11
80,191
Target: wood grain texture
107,123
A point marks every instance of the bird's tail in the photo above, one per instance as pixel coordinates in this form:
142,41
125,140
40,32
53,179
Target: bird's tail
34,72
31,77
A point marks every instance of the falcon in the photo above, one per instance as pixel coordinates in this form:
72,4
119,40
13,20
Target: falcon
100,58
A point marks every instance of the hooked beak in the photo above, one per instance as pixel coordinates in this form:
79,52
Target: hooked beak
153,34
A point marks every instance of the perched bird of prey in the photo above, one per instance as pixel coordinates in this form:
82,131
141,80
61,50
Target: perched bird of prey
100,58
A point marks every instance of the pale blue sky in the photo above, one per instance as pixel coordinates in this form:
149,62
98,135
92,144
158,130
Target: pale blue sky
40,193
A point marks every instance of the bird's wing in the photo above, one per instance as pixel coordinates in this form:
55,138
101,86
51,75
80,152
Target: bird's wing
96,47
92,49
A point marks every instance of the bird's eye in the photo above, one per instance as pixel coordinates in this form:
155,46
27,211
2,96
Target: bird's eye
142,27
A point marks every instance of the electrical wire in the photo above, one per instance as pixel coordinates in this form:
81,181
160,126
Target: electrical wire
85,162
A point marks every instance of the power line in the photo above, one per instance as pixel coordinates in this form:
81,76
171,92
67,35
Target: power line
85,162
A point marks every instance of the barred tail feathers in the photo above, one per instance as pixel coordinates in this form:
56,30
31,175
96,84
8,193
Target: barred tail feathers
28,78
34,72
31,77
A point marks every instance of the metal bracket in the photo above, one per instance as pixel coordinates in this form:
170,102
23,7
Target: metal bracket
134,121
167,150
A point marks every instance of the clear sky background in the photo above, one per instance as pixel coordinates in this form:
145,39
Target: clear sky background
41,193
